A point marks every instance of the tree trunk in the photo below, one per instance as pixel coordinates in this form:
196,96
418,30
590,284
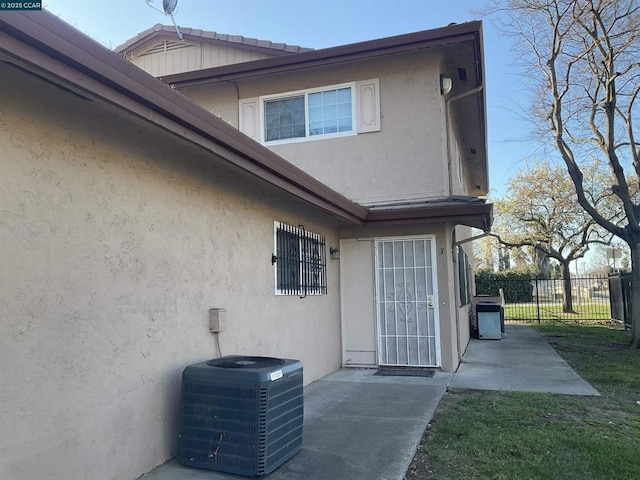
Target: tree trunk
635,294
567,297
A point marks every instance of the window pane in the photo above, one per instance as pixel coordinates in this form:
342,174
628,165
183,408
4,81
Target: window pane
288,104
344,125
315,114
286,131
273,120
329,97
272,134
315,128
330,112
298,117
315,99
344,110
344,95
284,117
298,131
331,126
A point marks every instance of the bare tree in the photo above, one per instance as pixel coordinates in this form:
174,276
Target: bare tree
602,261
484,254
539,210
585,62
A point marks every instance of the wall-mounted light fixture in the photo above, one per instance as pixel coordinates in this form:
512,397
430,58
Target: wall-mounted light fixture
446,84
334,253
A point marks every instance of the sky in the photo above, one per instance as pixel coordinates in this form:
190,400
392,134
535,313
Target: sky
329,23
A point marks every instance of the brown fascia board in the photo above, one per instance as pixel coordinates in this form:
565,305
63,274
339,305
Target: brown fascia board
482,99
470,31
160,31
479,215
56,50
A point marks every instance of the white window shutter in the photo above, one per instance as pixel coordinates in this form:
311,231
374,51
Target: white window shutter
249,120
368,98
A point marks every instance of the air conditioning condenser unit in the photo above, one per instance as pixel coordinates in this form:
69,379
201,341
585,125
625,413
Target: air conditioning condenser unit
241,414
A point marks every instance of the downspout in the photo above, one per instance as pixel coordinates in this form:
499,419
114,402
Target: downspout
447,116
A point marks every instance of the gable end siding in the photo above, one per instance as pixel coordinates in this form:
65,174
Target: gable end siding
168,57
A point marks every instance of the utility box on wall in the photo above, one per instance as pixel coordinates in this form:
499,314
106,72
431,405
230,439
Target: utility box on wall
217,320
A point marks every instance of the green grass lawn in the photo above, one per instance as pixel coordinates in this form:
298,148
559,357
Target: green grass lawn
502,435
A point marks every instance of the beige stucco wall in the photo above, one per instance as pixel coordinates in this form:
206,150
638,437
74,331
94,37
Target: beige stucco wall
405,160
358,294
115,242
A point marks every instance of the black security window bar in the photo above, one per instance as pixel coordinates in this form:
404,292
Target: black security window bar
300,261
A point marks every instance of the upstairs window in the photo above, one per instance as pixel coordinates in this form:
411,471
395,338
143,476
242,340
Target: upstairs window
309,114
300,261
324,112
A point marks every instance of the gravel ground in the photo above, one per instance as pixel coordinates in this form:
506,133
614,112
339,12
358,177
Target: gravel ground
420,467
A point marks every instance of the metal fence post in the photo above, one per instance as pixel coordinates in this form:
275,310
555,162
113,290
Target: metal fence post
537,299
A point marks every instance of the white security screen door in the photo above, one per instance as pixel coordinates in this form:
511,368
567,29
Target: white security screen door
406,299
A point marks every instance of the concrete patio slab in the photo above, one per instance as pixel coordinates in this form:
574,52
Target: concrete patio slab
357,426
522,361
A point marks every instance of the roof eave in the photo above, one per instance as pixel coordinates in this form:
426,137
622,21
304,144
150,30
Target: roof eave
472,215
344,53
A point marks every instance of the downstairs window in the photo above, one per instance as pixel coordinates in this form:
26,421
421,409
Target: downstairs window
300,261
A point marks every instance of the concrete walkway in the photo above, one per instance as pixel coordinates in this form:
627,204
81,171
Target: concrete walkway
358,426
522,361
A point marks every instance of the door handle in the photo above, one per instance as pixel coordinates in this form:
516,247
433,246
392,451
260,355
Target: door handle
430,301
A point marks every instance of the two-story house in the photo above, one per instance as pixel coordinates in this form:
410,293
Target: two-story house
322,198
398,126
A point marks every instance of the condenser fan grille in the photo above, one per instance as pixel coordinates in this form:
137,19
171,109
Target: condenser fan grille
245,362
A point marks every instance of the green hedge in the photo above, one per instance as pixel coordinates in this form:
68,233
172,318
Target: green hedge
517,286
